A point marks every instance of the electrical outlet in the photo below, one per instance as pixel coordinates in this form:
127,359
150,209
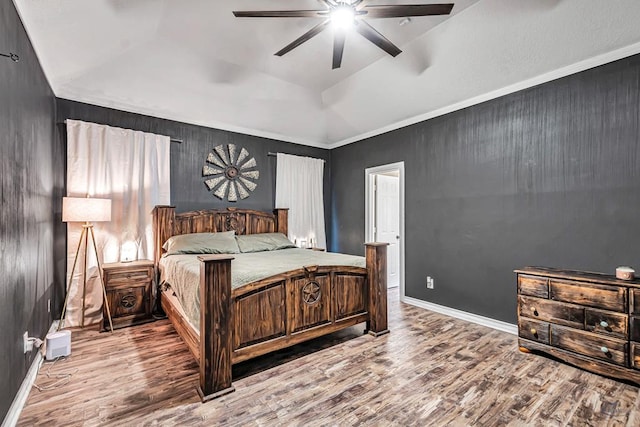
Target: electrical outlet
26,344
430,283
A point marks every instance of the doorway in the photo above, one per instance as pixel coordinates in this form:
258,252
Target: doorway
384,216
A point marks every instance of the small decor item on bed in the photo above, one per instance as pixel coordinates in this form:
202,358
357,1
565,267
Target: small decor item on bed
625,273
230,174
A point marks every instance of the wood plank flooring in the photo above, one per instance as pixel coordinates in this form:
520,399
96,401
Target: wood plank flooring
431,370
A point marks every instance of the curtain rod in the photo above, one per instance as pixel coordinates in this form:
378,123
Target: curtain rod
176,140
272,154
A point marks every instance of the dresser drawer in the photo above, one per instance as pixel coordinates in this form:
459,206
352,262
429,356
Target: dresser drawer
129,275
634,328
589,344
635,355
551,311
533,330
606,322
599,296
634,301
533,286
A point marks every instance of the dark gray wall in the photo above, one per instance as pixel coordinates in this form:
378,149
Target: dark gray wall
30,182
188,191
547,176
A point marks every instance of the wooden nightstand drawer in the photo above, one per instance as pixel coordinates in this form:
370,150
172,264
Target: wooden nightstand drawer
129,275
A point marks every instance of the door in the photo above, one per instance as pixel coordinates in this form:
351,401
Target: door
384,217
387,222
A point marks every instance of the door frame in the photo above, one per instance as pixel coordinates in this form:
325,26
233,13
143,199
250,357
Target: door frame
369,210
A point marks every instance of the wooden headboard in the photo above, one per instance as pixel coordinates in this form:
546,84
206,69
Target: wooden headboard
167,223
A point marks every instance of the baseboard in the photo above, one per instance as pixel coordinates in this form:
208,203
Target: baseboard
11,419
463,315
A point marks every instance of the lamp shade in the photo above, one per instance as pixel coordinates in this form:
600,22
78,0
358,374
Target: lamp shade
85,209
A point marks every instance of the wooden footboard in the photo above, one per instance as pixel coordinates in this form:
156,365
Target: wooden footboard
282,310
274,313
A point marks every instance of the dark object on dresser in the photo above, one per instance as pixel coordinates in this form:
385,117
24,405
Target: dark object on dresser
129,286
590,320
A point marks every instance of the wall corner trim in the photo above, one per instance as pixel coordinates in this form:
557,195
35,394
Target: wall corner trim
11,419
463,315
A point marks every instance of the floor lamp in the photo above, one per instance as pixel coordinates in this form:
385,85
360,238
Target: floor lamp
86,210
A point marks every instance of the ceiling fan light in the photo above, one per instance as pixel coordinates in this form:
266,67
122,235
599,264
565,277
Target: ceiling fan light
343,17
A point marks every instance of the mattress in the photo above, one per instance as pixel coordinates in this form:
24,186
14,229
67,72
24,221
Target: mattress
182,272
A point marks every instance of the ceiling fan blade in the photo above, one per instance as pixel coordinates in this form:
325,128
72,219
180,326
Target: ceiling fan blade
303,38
403,10
359,4
370,33
338,48
280,13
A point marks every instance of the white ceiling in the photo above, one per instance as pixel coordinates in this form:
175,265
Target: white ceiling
193,61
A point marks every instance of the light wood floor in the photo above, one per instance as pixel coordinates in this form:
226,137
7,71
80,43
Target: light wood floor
431,370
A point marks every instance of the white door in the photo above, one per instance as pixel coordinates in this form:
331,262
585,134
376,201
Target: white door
387,222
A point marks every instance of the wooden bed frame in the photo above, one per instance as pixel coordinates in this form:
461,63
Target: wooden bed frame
270,314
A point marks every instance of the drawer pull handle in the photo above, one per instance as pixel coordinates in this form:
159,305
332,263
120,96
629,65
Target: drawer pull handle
128,276
534,331
604,324
605,350
534,311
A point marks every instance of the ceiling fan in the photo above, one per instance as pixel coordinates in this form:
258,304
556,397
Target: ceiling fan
345,14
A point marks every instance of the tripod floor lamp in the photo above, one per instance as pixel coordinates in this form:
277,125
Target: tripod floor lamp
86,210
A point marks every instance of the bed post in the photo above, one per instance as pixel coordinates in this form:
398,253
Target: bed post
215,326
376,256
164,218
282,219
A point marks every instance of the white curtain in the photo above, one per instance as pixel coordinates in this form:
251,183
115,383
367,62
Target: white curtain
132,169
299,186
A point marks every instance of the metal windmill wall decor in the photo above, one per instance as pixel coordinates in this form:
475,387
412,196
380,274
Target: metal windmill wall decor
230,174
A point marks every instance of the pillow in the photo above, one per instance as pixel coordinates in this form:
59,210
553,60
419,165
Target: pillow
202,243
263,242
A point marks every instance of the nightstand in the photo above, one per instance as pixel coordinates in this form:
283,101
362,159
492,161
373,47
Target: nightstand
129,287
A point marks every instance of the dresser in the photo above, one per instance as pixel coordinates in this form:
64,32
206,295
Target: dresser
590,320
129,292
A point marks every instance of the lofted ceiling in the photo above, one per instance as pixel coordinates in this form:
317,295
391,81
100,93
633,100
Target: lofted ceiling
193,61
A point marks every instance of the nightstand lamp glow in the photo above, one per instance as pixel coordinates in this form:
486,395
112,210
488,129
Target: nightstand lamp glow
86,210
